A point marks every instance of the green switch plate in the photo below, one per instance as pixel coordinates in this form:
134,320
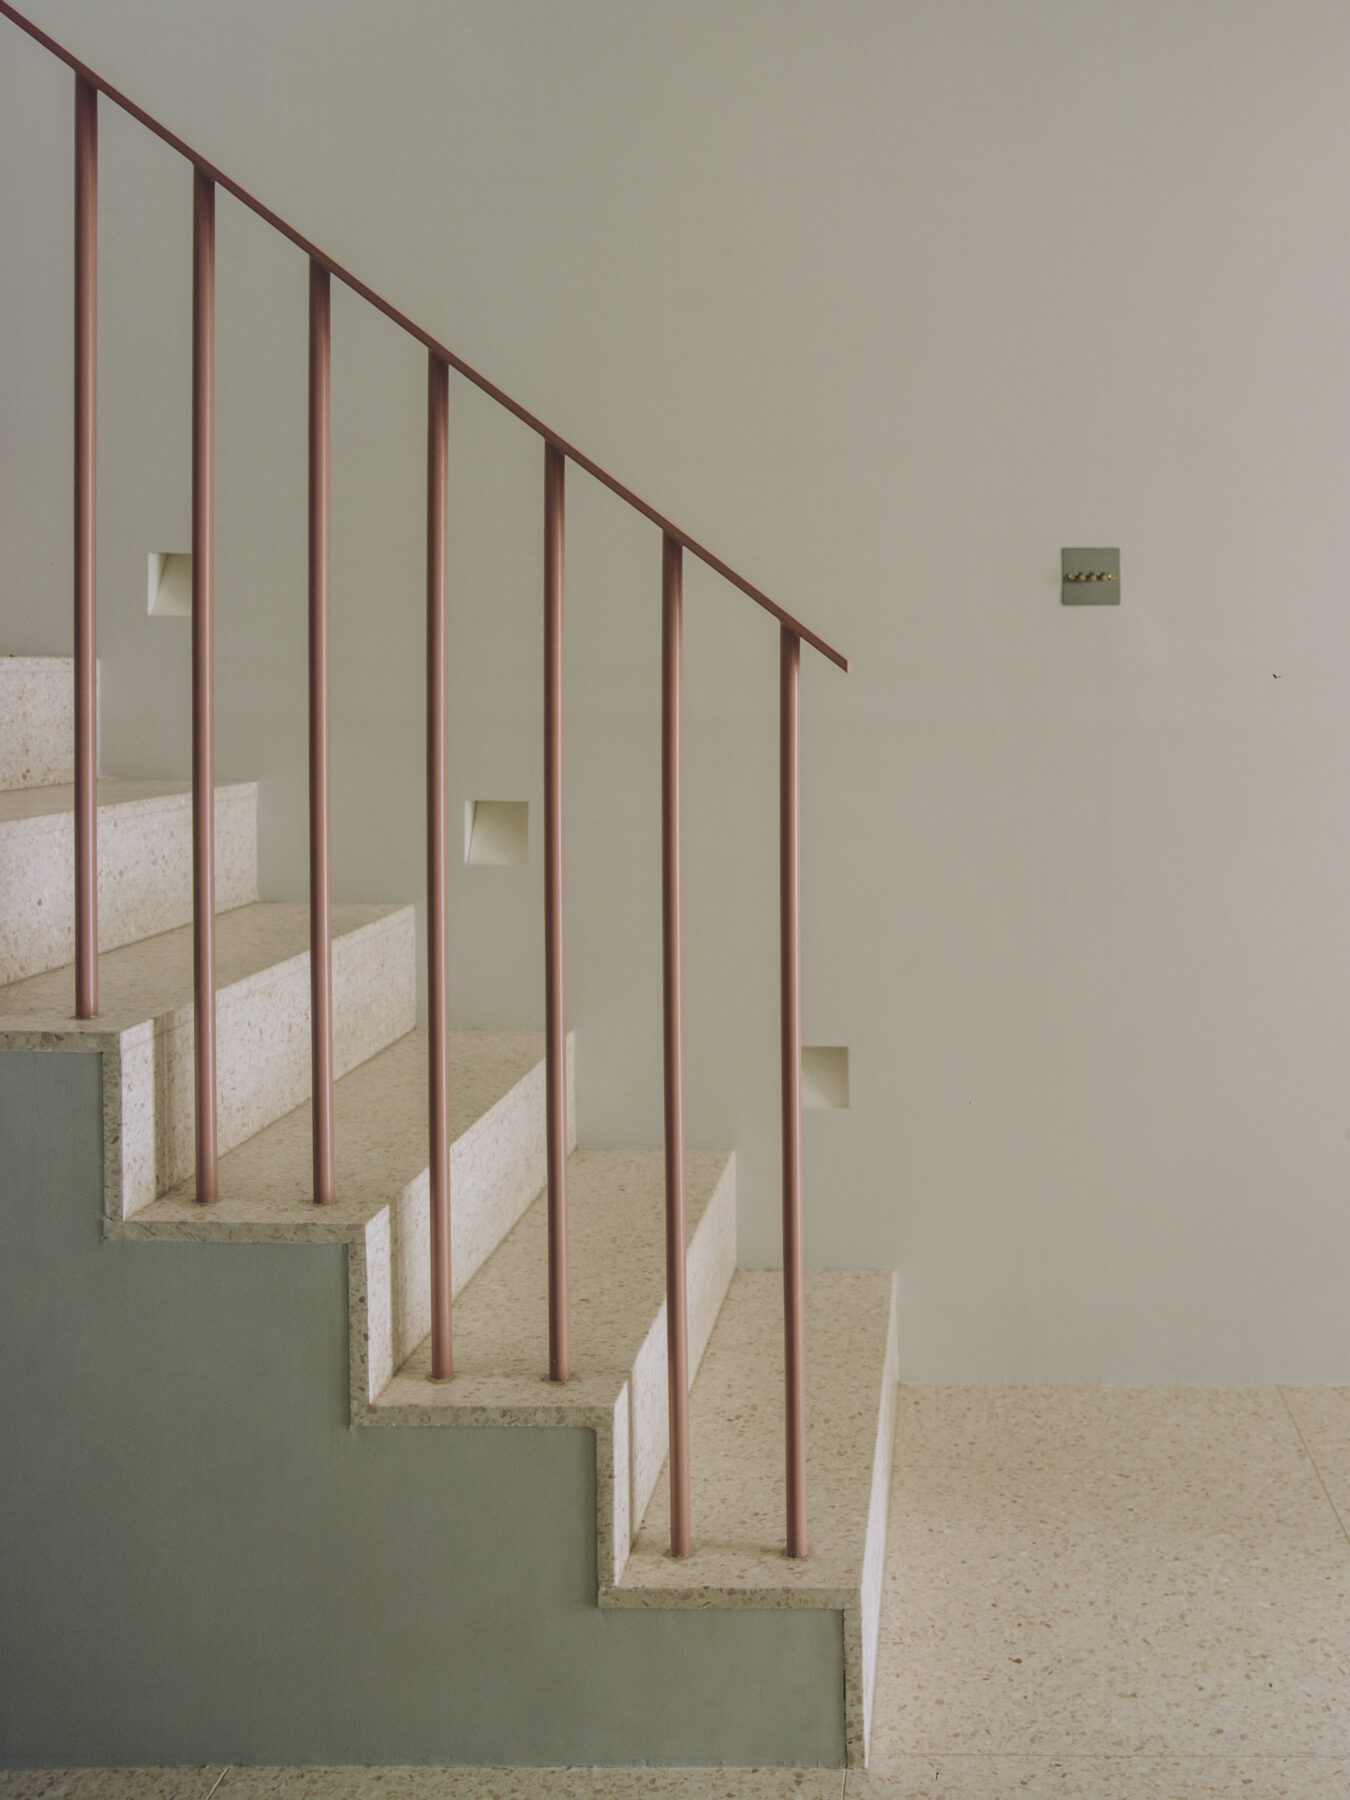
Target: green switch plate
1089,577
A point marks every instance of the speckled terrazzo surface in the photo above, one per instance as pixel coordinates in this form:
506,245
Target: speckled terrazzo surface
37,720
617,1385
153,976
52,801
736,1469
144,865
145,1029
1103,1593
736,1450
423,1784
616,1251
380,1140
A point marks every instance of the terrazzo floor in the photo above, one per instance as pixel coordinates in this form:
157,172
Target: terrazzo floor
1091,1594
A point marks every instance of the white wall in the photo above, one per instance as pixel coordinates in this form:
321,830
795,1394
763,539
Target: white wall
886,302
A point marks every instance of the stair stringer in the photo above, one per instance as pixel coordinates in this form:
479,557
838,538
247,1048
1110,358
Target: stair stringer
206,1565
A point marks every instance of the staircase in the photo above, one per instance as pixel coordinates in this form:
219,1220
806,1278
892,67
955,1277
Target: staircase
241,1524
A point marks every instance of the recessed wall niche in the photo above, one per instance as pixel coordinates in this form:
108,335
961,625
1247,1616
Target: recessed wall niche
825,1077
496,831
169,584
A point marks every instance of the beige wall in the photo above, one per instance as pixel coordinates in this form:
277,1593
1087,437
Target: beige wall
887,302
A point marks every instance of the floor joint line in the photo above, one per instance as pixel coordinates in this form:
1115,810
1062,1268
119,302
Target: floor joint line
1335,1510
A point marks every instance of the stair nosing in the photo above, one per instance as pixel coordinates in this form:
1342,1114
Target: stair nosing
54,818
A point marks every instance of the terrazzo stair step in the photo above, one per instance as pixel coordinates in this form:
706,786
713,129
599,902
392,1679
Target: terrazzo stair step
497,1165
617,1386
145,1029
736,1469
37,720
144,866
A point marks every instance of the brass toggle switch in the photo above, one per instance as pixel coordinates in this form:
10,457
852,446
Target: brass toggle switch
1090,577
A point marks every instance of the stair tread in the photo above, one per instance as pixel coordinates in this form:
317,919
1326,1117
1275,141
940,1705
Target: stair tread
380,1146
152,977
616,1268
18,805
736,1451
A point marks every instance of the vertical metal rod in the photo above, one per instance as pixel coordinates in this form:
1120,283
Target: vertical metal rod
203,721
438,1002
320,859
789,815
86,652
555,1004
677,1326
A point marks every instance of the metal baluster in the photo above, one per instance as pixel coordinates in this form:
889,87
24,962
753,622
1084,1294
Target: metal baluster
677,1324
789,815
203,703
86,652
438,1002
555,1004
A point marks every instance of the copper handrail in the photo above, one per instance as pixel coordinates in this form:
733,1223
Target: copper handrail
86,523
674,542
320,808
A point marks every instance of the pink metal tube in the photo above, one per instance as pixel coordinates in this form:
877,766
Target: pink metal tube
203,720
677,1325
320,860
438,991
86,653
789,815
432,344
555,1004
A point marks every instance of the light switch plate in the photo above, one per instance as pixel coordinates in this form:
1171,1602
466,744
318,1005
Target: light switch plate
1089,577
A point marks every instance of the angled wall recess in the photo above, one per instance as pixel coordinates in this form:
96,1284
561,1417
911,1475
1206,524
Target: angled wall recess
825,1077
169,585
496,831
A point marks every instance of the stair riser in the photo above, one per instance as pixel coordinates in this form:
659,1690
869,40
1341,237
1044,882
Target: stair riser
497,1168
858,1731
37,721
144,876
263,1057
710,1262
